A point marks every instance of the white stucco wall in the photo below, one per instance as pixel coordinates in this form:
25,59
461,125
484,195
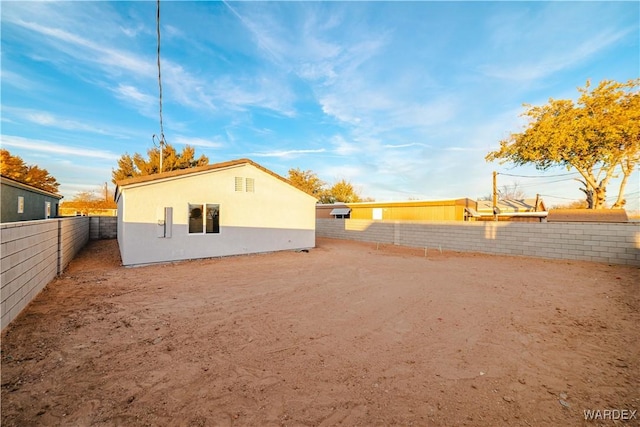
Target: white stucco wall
276,216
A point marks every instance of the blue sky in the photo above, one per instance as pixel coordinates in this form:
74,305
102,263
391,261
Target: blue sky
403,99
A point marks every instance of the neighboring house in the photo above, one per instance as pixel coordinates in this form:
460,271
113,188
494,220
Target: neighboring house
80,209
588,215
231,208
410,210
336,210
22,202
512,210
435,210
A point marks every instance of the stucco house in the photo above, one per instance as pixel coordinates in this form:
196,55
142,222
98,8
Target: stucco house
22,202
230,208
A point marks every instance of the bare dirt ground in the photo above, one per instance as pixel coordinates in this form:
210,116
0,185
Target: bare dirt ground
346,334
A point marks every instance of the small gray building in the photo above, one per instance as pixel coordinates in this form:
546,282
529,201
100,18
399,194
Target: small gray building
22,202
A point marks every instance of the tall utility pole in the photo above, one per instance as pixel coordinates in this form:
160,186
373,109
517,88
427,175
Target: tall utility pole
495,196
161,153
160,85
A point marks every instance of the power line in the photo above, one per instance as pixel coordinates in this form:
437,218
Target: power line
559,197
625,195
539,184
539,176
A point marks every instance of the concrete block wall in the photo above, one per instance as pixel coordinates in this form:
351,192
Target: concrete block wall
615,243
103,227
32,253
73,236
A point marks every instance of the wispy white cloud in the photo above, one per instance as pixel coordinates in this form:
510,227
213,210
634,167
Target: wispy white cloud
264,31
131,93
287,153
88,50
180,85
147,105
259,91
407,145
42,146
554,61
18,80
343,147
529,45
196,142
132,30
47,119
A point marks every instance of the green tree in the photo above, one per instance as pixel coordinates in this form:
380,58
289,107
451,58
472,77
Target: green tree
598,136
15,168
130,167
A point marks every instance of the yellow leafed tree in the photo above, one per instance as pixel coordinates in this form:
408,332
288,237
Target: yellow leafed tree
307,181
598,136
15,168
343,191
130,167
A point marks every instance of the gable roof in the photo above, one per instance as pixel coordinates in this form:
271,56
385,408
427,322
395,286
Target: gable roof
198,170
13,183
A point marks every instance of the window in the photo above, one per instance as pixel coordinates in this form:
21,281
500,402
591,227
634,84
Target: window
195,218
376,213
343,213
213,218
251,185
204,218
20,204
239,183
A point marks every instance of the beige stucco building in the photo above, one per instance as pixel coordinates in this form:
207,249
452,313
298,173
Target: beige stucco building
231,208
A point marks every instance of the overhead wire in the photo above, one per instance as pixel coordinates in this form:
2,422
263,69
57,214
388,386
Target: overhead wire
615,196
559,197
159,69
539,176
565,177
159,84
570,176
539,184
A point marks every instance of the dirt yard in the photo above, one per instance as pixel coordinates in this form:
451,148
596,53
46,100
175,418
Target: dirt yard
346,334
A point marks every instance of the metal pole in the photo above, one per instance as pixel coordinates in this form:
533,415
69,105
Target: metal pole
495,196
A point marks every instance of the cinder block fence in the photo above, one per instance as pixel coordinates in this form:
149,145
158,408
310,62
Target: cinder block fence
614,243
34,252
103,227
